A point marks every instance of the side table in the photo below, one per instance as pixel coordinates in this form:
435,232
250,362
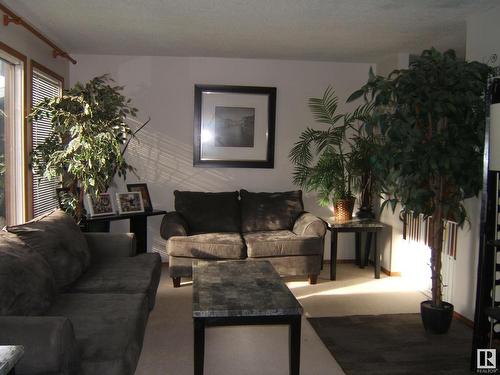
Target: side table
357,226
138,225
9,356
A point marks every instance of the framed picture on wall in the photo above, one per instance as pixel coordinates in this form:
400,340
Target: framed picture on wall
100,206
146,199
234,126
129,203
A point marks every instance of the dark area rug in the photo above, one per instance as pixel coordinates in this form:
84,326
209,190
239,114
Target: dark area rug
394,344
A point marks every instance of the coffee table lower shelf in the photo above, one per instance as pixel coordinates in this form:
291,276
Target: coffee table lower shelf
293,321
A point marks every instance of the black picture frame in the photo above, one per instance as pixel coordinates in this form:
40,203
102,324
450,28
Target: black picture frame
146,198
268,160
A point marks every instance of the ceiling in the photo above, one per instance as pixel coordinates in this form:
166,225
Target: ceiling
339,30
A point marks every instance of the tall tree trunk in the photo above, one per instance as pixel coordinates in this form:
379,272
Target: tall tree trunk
436,245
78,193
366,191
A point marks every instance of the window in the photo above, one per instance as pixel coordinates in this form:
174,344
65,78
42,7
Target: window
12,80
45,84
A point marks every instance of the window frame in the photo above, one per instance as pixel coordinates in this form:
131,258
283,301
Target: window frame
34,65
22,214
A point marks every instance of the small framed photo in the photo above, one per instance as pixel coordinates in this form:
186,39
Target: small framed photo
143,189
100,206
129,203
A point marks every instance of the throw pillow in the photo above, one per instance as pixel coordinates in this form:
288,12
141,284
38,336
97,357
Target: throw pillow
59,240
27,285
209,212
270,211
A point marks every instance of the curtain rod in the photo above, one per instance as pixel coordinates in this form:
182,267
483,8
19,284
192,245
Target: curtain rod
10,16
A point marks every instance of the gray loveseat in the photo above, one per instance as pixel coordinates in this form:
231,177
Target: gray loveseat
78,302
243,225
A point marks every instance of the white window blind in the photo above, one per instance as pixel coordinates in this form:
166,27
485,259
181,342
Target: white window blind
44,191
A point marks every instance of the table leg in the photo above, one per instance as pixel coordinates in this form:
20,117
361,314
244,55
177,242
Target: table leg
199,345
357,238
322,258
294,342
333,255
368,247
362,251
377,258
139,226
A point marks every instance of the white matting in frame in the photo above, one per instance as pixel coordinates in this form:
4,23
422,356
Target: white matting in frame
252,146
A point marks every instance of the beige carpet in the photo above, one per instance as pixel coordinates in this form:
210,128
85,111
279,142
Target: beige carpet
263,350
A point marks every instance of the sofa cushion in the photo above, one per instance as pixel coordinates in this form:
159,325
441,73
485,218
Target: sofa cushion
27,285
202,211
270,211
281,243
139,274
109,329
59,240
207,246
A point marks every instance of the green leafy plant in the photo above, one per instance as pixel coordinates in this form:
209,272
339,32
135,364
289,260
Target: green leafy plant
432,120
89,135
328,160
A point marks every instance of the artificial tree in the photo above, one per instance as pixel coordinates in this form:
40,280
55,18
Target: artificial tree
89,135
432,119
328,161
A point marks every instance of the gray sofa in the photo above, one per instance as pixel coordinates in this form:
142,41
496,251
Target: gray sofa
78,302
243,225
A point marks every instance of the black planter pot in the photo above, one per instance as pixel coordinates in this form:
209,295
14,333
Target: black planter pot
436,319
365,213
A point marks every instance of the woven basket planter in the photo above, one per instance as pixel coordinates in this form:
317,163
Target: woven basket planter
343,209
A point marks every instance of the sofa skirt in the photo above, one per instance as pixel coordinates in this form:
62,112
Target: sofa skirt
285,266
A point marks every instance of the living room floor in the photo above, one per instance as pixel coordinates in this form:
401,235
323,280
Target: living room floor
249,350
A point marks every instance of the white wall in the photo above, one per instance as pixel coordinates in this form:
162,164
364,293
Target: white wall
26,43
163,88
482,41
386,64
390,240
482,35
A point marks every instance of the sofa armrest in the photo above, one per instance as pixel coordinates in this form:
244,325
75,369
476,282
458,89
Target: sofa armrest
308,224
173,224
49,342
109,245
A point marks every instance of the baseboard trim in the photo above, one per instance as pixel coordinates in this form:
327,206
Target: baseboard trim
390,273
339,261
352,261
469,323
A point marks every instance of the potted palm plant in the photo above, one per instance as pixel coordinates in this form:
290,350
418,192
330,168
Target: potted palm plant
432,119
89,135
327,160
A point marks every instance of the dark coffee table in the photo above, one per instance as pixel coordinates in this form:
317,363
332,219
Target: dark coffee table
241,293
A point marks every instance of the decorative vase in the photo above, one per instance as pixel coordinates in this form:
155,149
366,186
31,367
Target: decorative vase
436,319
365,213
343,209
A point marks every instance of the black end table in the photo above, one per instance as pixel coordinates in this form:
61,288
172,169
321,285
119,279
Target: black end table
357,226
138,225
